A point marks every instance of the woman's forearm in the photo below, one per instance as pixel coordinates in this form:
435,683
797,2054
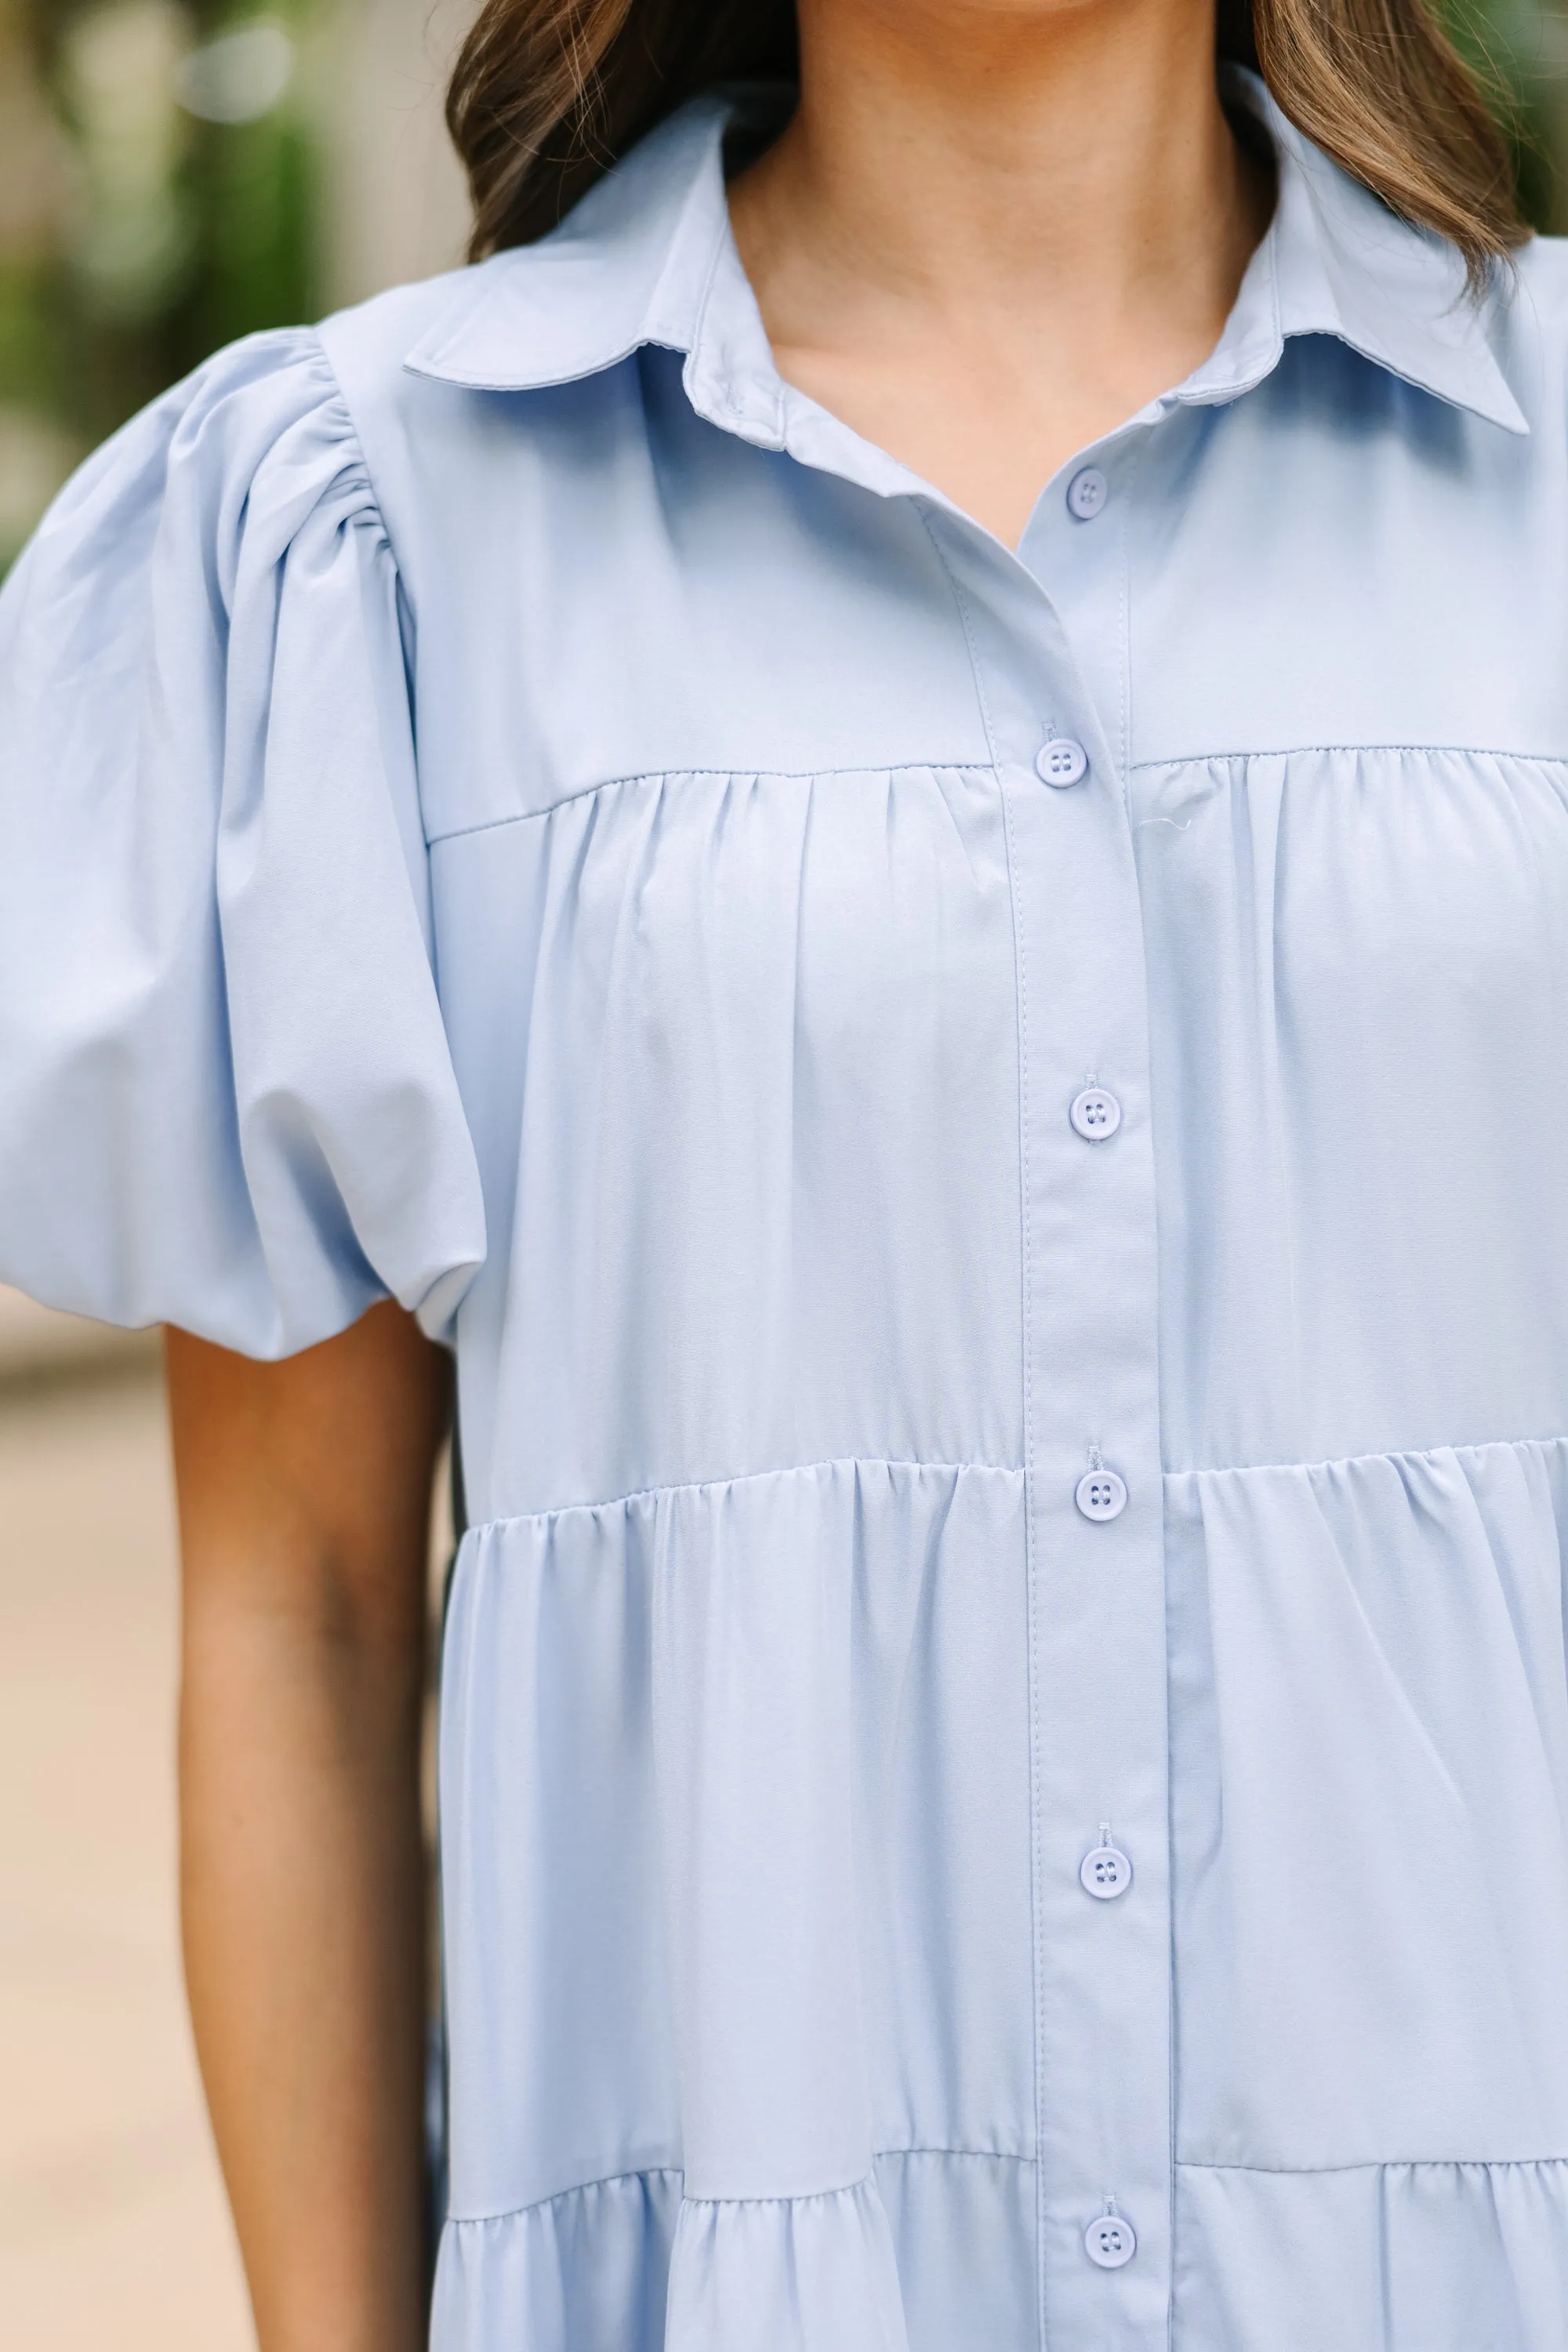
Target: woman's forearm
301,1863
301,1898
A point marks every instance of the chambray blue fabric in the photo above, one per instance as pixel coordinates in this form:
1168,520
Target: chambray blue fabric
508,805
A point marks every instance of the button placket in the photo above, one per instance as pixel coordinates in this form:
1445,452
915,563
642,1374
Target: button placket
1096,1601
1080,563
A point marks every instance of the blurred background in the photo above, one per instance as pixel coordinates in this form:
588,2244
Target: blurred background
174,174
177,172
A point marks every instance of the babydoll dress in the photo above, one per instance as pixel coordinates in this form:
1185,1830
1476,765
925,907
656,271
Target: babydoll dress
989,1132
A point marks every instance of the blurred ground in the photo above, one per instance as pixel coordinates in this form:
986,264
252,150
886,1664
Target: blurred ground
113,2232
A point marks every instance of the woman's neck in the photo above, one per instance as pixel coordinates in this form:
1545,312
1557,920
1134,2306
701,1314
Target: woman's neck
995,227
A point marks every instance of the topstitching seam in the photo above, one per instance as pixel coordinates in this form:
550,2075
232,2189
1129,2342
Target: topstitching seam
1027,1382
741,1479
673,2172
1301,751
870,770
1384,2164
1374,1453
986,767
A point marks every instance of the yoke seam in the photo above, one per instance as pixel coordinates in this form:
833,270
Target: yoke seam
872,770
1301,750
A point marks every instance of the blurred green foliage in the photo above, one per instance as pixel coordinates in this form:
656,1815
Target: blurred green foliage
162,201
191,220
1518,49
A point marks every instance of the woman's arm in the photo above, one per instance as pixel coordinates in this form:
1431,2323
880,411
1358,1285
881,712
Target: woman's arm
304,1495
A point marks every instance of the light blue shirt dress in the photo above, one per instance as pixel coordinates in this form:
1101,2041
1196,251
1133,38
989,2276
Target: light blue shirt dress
991,1132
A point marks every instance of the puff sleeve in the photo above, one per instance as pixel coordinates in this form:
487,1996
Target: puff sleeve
227,1099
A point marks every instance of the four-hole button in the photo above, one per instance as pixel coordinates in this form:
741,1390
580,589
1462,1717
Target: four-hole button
1061,761
1105,1871
1095,1114
1086,493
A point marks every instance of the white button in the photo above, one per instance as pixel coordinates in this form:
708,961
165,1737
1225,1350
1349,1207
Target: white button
1061,761
1110,2241
1095,1114
1086,493
1100,1494
1105,1873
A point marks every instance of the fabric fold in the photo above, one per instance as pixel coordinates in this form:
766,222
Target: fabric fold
1446,2257
587,2271
1370,1723
732,1786
785,2274
626,2265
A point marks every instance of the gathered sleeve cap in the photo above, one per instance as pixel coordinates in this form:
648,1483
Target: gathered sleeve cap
227,1099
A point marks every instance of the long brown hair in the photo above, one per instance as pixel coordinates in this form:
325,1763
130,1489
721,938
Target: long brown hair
547,94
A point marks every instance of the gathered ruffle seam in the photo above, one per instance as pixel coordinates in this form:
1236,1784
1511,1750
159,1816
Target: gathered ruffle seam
723,1481
741,1479
673,2172
1461,1449
1384,2164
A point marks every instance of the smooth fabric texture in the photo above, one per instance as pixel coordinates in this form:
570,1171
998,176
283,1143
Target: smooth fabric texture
510,806
225,1069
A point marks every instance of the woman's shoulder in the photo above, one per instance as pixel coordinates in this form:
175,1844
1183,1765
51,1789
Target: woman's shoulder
251,436
404,359
259,427
367,345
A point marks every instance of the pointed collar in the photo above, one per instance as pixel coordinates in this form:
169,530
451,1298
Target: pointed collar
646,258
1336,261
